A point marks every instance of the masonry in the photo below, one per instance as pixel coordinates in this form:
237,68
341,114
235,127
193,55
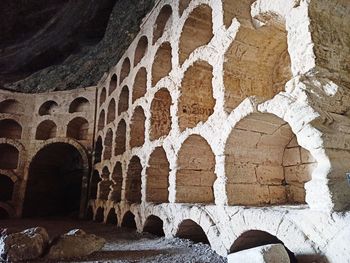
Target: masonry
230,118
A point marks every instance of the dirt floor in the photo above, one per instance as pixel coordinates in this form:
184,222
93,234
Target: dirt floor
123,245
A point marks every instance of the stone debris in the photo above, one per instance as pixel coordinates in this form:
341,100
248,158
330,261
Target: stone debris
275,253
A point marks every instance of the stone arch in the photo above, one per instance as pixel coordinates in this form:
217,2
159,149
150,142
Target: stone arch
104,186
133,181
183,4
56,179
160,114
79,104
112,217
98,150
9,156
157,177
256,238
95,179
48,108
46,130
11,106
99,217
195,174
101,120
6,188
129,220
108,144
125,70
270,165
161,66
123,104
120,138
10,129
154,225
257,63
196,103
189,229
78,128
117,178
141,49
197,31
140,84
137,128
111,111
161,22
103,96
113,83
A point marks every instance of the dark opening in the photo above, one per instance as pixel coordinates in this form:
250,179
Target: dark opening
112,217
10,129
256,238
154,225
46,130
48,108
89,213
6,188
93,184
129,220
98,150
189,229
3,213
99,215
11,106
80,104
8,157
54,182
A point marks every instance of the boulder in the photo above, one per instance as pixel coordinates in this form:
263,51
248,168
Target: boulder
26,245
275,253
74,244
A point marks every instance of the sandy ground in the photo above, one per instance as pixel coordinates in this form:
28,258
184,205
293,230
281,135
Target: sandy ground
123,245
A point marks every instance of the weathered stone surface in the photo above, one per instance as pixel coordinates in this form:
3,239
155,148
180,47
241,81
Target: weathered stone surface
265,254
26,245
75,243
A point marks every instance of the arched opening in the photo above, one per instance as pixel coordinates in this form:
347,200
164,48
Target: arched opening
133,181
161,22
120,138
78,128
157,177
197,31
137,128
237,9
11,106
196,102
269,167
189,229
183,4
117,178
101,120
10,129
103,96
256,238
80,104
154,225
123,104
195,176
99,217
112,217
89,213
140,84
98,150
124,72
95,179
257,63
107,154
6,188
113,84
8,157
111,111
46,130
160,114
54,186
104,186
141,50
129,220
48,108
161,66
4,214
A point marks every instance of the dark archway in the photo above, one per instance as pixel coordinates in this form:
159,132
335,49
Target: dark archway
129,220
154,225
100,215
6,188
54,181
112,217
189,229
